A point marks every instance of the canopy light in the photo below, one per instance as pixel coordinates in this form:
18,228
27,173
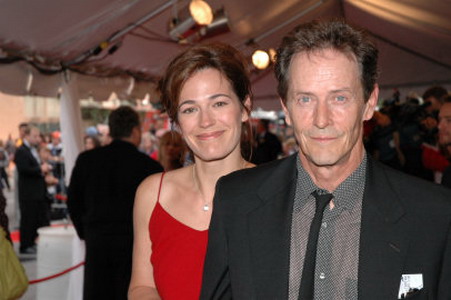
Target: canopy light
184,29
201,12
260,59
272,54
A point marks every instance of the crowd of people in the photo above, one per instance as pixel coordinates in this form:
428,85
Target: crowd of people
409,135
222,206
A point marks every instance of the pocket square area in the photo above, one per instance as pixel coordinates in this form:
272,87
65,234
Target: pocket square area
410,284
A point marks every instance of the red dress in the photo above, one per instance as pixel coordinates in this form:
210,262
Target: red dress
178,254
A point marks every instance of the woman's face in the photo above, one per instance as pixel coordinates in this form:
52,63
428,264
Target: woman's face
210,115
89,144
173,148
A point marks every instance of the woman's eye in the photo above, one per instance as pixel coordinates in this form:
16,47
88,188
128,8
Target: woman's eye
220,103
188,110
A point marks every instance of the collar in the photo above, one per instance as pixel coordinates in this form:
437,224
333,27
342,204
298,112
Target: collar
26,143
345,195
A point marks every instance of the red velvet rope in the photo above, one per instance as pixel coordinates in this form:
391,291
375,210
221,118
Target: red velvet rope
57,274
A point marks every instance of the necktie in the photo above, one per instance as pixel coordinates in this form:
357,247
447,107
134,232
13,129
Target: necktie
306,290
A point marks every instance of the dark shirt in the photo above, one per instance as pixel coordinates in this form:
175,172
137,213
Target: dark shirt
339,238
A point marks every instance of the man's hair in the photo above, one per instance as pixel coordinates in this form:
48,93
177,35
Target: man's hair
23,125
320,35
438,92
122,121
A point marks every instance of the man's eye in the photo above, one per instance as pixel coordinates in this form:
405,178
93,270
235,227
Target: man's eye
305,99
340,98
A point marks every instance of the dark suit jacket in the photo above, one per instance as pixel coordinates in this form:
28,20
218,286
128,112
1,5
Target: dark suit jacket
406,229
103,185
446,179
100,201
32,185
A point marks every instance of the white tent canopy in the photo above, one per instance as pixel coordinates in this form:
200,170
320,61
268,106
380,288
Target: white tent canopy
39,39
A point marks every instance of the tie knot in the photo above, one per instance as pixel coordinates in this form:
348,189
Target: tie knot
322,200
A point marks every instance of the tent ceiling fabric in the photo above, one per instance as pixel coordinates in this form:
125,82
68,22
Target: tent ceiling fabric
414,37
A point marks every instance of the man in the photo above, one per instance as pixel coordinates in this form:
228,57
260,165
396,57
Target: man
23,127
433,99
19,141
444,131
100,201
383,235
33,203
268,145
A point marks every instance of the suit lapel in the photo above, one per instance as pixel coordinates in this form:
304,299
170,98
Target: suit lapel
269,228
384,237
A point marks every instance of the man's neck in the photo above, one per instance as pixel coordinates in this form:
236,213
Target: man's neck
330,177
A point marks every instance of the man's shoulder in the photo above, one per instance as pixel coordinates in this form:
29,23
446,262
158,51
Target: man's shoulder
417,190
22,150
256,176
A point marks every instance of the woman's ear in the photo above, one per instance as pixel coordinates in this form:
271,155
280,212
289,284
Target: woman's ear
245,114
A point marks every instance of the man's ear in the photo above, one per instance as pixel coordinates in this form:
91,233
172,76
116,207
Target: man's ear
371,104
285,110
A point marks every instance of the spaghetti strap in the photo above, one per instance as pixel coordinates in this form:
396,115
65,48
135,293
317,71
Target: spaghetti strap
159,188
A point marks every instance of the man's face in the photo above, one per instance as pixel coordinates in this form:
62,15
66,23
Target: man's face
33,138
22,131
325,106
434,104
444,125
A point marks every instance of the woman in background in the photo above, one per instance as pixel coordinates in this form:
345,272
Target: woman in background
91,142
171,154
206,93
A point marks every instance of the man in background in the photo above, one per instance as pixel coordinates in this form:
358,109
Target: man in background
433,99
33,203
267,145
100,201
444,133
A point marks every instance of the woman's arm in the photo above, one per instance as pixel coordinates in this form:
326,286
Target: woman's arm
142,284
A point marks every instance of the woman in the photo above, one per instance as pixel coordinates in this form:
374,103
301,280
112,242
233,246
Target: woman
172,151
91,142
206,93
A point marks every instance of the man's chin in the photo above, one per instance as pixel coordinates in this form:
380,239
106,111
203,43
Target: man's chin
322,161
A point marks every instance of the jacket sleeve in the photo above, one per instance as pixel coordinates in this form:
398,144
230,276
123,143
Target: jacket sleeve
26,164
75,198
444,290
216,278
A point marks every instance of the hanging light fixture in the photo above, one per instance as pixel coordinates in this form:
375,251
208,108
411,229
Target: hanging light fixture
272,54
260,59
201,12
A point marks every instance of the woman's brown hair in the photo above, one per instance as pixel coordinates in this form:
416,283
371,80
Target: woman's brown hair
222,57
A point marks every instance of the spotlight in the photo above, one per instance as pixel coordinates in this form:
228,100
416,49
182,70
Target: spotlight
260,59
183,28
201,12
